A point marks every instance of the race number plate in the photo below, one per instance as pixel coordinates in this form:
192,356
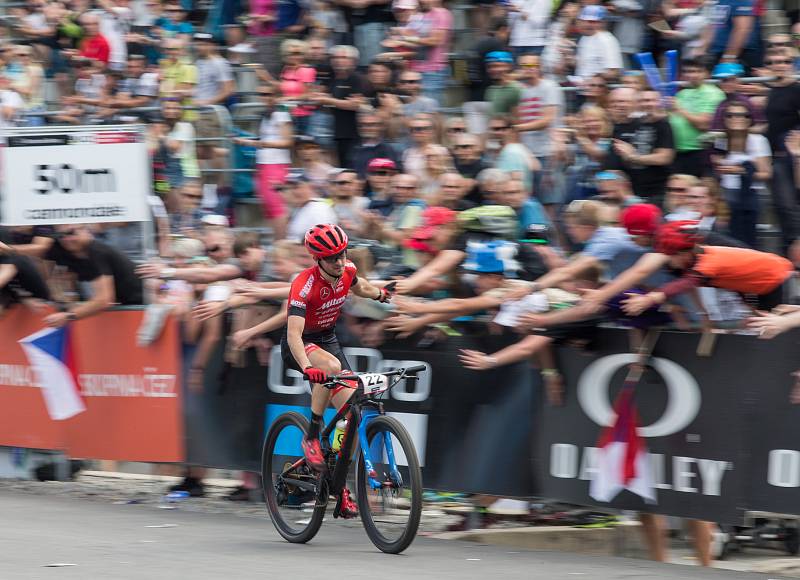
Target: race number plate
373,382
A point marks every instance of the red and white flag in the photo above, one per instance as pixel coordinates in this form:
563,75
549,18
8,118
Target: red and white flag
622,458
49,352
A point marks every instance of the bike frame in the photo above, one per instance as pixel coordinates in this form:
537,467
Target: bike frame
360,409
359,412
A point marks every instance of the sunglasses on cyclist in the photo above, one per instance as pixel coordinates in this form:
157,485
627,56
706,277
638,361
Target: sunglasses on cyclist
335,258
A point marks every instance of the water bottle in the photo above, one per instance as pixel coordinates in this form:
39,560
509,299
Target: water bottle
338,434
169,500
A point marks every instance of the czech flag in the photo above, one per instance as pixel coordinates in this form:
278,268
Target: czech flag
622,459
49,353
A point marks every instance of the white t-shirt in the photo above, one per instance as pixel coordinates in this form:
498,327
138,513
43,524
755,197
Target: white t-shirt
532,100
597,53
184,132
316,211
9,99
270,130
756,146
529,25
114,25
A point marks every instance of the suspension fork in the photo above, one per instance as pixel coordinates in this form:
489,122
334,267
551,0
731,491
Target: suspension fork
367,414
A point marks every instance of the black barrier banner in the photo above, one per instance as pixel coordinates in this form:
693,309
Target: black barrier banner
720,433
472,430
691,419
772,438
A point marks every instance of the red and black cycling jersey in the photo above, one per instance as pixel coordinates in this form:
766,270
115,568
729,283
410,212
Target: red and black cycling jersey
317,300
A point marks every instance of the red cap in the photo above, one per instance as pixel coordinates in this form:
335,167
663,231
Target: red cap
437,216
641,219
381,163
674,237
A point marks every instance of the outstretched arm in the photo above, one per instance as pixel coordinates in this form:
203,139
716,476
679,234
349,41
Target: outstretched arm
525,348
644,267
453,307
274,322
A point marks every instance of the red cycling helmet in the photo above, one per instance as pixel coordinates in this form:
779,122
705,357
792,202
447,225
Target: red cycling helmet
678,236
325,240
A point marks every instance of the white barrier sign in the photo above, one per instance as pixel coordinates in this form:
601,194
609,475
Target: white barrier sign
64,175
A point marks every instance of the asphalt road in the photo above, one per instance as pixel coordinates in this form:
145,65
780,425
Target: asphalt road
127,542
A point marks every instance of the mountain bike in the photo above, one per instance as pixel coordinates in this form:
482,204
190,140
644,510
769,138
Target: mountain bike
388,475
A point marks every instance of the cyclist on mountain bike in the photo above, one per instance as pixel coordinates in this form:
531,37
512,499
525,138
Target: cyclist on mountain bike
309,344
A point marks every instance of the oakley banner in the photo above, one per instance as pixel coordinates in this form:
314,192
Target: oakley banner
694,427
65,175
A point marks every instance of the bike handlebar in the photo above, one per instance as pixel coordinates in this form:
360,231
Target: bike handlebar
333,379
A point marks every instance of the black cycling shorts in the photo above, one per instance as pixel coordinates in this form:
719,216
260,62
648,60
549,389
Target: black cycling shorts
327,341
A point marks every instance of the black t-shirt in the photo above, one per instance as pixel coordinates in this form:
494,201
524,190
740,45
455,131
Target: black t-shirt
28,282
102,260
783,114
471,170
21,238
345,126
324,74
372,14
646,137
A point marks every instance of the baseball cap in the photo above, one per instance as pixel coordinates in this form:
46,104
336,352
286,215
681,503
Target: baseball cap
381,163
641,219
537,234
592,13
606,176
203,37
297,176
215,220
432,218
499,56
726,70
405,5
306,140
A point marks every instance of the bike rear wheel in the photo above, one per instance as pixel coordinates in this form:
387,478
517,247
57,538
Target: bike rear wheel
295,510
391,513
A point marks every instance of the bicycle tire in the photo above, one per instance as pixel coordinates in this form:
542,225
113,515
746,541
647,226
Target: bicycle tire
414,483
285,528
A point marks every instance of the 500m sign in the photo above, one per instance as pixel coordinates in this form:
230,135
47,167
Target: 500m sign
75,175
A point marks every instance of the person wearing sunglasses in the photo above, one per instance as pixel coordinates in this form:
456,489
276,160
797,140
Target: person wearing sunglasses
728,75
309,345
742,160
348,202
373,144
109,272
379,178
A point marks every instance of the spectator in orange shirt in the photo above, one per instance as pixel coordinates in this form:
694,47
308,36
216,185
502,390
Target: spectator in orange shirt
748,272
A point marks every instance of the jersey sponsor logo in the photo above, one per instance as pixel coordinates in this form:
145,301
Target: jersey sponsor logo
307,288
331,303
325,293
298,304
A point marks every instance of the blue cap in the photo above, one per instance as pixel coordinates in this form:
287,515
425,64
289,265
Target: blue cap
491,258
500,56
592,12
606,176
726,70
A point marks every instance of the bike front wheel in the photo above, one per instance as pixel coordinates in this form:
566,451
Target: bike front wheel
292,490
390,498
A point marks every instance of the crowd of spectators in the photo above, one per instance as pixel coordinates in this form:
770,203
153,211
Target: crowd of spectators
427,130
